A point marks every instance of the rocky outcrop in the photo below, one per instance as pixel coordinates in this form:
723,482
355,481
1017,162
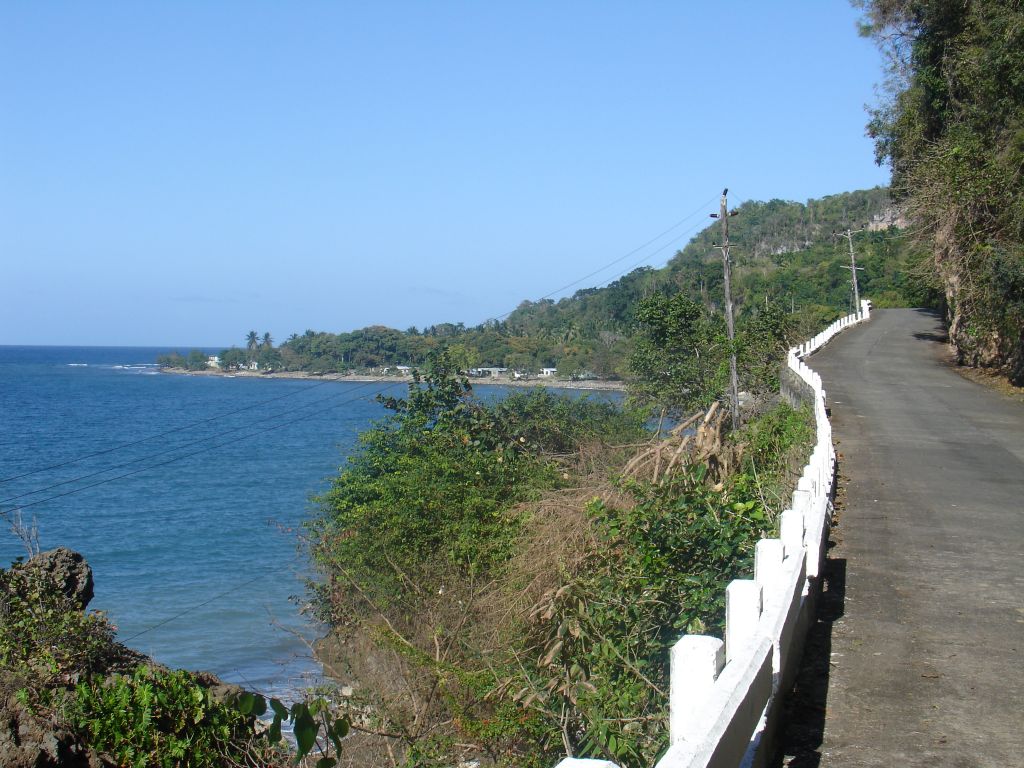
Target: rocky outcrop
28,741
69,571
31,736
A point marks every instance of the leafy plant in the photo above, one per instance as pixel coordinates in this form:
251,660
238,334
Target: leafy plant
659,569
433,488
46,640
679,361
155,717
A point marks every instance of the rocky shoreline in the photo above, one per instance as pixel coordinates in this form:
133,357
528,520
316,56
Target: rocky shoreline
36,736
605,385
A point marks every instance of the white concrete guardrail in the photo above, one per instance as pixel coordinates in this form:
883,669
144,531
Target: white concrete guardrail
723,695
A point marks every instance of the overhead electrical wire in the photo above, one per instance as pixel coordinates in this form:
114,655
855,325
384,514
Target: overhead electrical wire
216,417
195,607
186,455
636,264
612,263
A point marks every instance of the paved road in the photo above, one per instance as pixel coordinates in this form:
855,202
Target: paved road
928,653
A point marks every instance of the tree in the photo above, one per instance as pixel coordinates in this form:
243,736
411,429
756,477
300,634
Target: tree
953,130
268,342
232,359
196,360
763,338
252,341
680,360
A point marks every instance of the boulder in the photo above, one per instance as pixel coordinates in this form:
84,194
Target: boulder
29,741
69,571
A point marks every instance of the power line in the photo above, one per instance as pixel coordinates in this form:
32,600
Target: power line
623,257
159,434
189,610
648,257
271,428
216,417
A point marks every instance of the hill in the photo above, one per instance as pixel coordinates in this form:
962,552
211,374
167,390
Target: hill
784,253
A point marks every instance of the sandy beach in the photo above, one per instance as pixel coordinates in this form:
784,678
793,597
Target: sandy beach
590,384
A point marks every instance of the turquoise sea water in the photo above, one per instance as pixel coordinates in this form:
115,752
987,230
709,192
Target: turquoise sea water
196,550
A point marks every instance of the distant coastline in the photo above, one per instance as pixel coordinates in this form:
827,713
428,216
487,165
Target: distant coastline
588,384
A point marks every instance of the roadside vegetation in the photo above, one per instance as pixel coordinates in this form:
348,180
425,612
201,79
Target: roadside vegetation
503,580
951,125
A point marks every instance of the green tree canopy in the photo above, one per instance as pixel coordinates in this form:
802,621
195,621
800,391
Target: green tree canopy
681,354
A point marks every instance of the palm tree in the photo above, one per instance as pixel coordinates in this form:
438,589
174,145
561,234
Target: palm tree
252,341
268,343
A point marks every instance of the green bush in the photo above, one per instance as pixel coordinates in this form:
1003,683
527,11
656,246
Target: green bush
57,659
46,640
433,488
659,570
161,718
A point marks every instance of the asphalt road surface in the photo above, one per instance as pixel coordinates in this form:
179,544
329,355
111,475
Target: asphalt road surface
922,635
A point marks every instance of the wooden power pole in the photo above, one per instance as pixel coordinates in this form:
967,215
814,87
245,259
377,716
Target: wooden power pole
734,382
848,234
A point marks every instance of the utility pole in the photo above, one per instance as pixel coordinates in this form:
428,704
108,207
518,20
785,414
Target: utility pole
734,383
848,234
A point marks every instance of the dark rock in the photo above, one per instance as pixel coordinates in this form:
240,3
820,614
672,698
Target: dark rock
219,690
29,741
69,571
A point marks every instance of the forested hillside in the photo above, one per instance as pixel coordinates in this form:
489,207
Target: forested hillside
785,259
953,129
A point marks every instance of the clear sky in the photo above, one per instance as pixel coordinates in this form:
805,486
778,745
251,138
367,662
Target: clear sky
178,173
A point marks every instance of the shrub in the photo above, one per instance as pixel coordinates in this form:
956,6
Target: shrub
46,640
156,717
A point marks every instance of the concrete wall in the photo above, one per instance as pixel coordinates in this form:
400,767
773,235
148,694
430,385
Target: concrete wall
724,694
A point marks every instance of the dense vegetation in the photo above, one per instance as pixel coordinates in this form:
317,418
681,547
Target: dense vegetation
70,694
504,579
785,256
195,360
953,130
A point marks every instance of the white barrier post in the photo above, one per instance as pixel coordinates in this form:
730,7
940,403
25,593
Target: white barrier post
696,661
768,557
791,531
743,603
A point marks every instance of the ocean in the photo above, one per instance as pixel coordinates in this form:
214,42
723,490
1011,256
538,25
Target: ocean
186,495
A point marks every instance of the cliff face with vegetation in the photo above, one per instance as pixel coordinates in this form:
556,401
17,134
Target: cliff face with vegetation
953,129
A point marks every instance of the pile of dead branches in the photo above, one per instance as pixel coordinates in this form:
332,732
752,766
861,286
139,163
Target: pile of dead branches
700,439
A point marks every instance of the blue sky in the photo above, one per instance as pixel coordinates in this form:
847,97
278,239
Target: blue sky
178,173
